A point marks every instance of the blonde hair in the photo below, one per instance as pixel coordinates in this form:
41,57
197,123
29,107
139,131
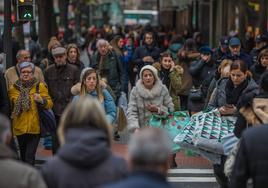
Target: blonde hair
224,63
99,89
86,112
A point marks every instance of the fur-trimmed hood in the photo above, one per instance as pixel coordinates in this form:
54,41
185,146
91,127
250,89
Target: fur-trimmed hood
149,94
257,113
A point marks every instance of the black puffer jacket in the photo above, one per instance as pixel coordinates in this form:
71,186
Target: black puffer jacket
84,161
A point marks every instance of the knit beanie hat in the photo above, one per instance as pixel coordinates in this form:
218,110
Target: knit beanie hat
83,72
52,43
150,68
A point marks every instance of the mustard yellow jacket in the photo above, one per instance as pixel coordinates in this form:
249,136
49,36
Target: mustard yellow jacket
28,122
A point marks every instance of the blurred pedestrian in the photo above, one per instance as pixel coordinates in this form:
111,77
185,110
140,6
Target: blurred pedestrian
186,55
171,76
15,174
109,67
235,52
60,77
261,42
85,158
73,56
149,150
261,66
221,52
4,100
252,159
148,53
202,72
24,101
12,74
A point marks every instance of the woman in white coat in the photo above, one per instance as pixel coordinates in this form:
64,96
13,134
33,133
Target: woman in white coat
148,97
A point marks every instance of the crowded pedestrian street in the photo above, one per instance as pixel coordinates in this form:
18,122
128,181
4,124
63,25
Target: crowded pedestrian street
136,93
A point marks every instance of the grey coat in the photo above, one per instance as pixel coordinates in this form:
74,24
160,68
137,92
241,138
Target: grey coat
218,98
140,97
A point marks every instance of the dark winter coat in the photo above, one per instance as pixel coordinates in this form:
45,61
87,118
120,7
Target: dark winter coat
4,100
142,179
254,54
80,65
252,159
60,80
202,74
257,70
243,56
85,160
112,70
144,51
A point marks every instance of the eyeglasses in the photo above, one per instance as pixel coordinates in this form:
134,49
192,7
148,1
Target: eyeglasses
26,72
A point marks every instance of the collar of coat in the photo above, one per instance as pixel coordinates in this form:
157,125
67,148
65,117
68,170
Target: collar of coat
149,93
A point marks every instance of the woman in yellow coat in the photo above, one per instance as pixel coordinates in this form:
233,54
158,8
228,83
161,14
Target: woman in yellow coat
24,101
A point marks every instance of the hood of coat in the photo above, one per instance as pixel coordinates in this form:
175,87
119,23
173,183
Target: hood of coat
251,91
149,93
83,148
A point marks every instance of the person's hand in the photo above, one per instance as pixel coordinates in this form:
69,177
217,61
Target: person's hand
229,109
148,59
38,98
172,66
152,108
204,57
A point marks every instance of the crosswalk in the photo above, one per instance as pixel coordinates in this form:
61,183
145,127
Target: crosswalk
192,178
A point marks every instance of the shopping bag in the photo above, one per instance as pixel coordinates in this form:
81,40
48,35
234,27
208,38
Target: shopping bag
172,123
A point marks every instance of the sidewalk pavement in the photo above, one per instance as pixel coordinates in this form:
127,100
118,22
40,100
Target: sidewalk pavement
183,160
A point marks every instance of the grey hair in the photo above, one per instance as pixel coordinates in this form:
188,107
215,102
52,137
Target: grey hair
4,127
86,112
150,146
102,42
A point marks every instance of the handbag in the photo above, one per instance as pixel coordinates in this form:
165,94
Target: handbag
196,94
47,119
173,123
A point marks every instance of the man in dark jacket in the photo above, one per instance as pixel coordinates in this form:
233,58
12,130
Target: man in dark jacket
261,44
146,54
60,77
149,150
109,67
4,101
252,159
15,174
236,52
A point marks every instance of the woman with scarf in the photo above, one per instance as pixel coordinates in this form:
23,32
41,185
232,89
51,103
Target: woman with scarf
24,101
171,76
231,94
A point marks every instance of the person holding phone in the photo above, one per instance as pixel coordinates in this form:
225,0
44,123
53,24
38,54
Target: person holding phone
230,95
